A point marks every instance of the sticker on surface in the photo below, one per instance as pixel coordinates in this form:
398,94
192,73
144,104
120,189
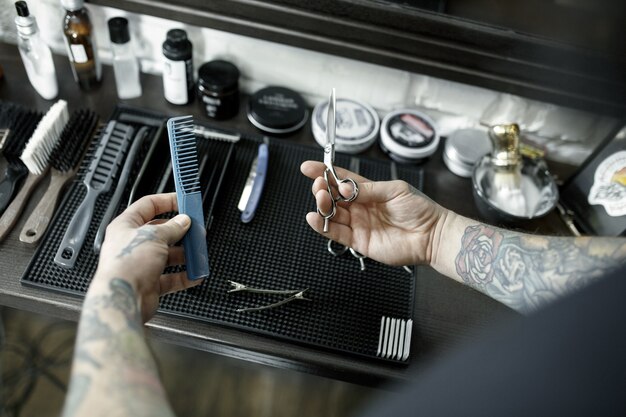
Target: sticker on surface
609,185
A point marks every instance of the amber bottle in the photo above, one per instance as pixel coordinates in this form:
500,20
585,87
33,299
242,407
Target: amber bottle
81,44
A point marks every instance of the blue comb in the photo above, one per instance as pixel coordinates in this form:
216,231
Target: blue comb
187,181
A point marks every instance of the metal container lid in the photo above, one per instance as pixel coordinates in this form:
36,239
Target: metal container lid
463,149
408,135
357,125
277,110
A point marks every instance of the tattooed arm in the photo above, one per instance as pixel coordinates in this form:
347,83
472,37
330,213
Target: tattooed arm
521,270
113,372
394,223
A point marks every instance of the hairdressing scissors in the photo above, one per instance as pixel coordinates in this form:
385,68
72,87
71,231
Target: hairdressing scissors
337,249
329,159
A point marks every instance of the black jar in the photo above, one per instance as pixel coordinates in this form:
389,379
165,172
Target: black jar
218,89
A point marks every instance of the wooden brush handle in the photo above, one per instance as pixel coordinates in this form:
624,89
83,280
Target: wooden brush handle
40,218
12,177
12,213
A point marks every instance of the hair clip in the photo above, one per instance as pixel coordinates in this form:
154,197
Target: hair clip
292,295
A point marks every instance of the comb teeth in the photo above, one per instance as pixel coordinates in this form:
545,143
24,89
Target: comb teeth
74,140
185,153
107,160
36,154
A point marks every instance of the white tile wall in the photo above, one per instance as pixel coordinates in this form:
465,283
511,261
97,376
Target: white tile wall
569,135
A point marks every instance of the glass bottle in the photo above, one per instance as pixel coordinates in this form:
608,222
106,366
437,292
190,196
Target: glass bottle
81,44
125,65
35,54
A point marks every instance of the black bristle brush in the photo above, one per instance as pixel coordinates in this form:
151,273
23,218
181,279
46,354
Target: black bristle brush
36,158
65,161
18,125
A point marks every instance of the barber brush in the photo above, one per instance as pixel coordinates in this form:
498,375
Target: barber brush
17,126
507,169
64,161
36,157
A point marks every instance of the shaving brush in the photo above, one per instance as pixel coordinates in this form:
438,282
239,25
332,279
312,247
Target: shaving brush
506,175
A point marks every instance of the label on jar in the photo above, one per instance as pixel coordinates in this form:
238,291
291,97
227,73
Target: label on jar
79,53
353,121
609,185
175,81
411,130
211,106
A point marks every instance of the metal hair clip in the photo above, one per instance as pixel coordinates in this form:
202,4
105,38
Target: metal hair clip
293,295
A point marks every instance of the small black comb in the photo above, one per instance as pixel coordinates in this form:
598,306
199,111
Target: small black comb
64,160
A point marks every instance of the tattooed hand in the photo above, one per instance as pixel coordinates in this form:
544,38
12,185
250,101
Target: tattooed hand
138,248
390,222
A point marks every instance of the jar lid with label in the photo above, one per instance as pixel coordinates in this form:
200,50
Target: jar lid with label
463,149
357,125
277,110
408,135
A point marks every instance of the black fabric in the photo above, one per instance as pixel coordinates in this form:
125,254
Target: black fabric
567,360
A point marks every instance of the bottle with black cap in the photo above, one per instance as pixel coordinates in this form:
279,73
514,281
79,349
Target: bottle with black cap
177,67
81,45
35,54
125,65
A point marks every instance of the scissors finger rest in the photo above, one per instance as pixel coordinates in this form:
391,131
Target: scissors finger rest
355,190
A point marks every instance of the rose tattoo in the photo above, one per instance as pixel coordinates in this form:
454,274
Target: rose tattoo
476,260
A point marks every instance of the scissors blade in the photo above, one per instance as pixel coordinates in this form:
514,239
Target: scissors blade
330,130
330,120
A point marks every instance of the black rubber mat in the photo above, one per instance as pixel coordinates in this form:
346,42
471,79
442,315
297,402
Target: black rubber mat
277,250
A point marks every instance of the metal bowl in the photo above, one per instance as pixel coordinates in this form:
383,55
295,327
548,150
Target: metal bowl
539,189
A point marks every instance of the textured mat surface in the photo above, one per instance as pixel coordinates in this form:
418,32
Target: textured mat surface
277,250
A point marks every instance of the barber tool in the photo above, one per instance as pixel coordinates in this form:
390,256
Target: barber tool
354,167
394,339
98,180
139,137
185,167
253,189
292,295
329,159
205,133
64,162
17,125
36,157
357,125
137,190
216,135
341,249
214,186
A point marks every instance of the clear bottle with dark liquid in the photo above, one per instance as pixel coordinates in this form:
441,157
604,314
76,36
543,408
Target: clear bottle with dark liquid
81,44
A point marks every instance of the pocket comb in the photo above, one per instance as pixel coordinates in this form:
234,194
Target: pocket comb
184,153
98,179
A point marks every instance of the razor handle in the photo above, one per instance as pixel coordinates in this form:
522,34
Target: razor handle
194,241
